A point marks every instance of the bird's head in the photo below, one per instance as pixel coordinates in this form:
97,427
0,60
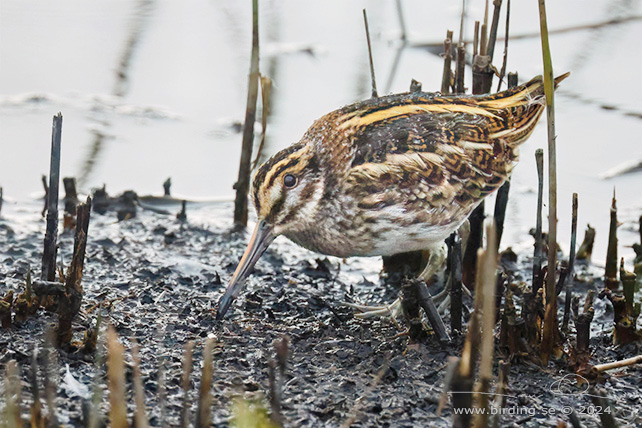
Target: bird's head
286,192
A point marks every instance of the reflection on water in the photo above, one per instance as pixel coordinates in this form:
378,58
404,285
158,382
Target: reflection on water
150,89
142,11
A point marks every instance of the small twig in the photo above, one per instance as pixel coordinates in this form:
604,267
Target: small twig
618,364
373,81
427,304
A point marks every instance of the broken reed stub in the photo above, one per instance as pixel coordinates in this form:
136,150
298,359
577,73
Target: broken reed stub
610,273
48,272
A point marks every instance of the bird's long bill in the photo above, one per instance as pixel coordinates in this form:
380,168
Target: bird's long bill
261,239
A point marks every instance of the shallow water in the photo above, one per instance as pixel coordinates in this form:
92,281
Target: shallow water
187,77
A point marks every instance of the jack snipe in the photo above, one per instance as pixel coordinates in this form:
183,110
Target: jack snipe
389,175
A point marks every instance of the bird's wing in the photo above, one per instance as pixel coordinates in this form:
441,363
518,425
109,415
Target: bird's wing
437,150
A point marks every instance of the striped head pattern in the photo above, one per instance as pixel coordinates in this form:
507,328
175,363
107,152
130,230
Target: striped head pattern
287,188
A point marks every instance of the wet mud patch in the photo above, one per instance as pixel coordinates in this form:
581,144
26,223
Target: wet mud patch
157,281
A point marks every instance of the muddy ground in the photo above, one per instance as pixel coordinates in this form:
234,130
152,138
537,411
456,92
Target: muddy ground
158,281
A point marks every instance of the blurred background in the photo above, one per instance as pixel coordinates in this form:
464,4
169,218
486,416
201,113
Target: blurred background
157,88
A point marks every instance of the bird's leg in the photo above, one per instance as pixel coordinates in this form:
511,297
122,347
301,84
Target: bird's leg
436,259
435,263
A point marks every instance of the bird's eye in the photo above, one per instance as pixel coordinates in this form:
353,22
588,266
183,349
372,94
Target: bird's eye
289,181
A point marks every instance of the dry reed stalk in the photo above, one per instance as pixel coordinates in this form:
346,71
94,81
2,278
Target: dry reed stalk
550,331
13,396
140,415
537,252
610,272
492,37
266,103
48,272
618,364
373,81
463,377
242,185
454,265
36,417
488,276
571,266
116,380
51,377
185,382
476,40
205,396
502,388
446,78
71,299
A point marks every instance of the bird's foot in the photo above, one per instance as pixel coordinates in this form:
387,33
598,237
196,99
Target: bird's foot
392,310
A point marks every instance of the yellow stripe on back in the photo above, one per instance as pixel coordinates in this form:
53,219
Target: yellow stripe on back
520,98
396,111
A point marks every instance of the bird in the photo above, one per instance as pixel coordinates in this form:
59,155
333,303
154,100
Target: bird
389,175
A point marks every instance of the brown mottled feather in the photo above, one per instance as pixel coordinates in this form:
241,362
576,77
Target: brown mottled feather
401,161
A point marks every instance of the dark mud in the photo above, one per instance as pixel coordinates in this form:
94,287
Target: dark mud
157,280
